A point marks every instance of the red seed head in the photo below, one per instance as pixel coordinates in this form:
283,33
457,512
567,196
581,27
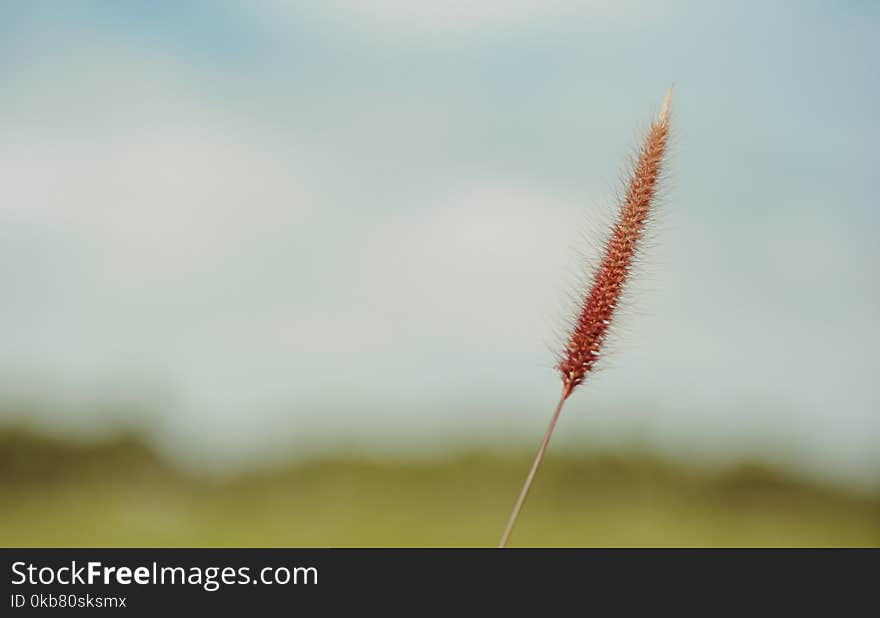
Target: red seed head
601,301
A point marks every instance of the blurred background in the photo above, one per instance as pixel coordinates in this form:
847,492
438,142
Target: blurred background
293,273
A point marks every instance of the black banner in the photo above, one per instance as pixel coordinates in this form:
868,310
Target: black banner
412,581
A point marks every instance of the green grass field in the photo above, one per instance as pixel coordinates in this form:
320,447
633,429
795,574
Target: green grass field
54,493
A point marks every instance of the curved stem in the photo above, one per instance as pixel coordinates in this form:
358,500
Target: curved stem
531,477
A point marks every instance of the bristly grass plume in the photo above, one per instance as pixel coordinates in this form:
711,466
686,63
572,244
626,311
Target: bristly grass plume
590,328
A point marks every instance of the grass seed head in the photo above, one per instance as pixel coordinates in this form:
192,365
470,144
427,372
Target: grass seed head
600,303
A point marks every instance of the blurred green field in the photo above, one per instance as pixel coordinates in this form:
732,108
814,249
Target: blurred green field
56,493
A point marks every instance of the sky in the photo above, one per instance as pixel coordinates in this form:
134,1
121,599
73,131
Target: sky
275,228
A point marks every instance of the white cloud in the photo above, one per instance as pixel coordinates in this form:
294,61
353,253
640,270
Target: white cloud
455,22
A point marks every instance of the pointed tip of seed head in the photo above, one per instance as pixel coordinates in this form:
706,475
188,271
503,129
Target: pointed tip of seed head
664,111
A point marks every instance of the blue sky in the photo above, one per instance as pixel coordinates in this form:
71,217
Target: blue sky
279,226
